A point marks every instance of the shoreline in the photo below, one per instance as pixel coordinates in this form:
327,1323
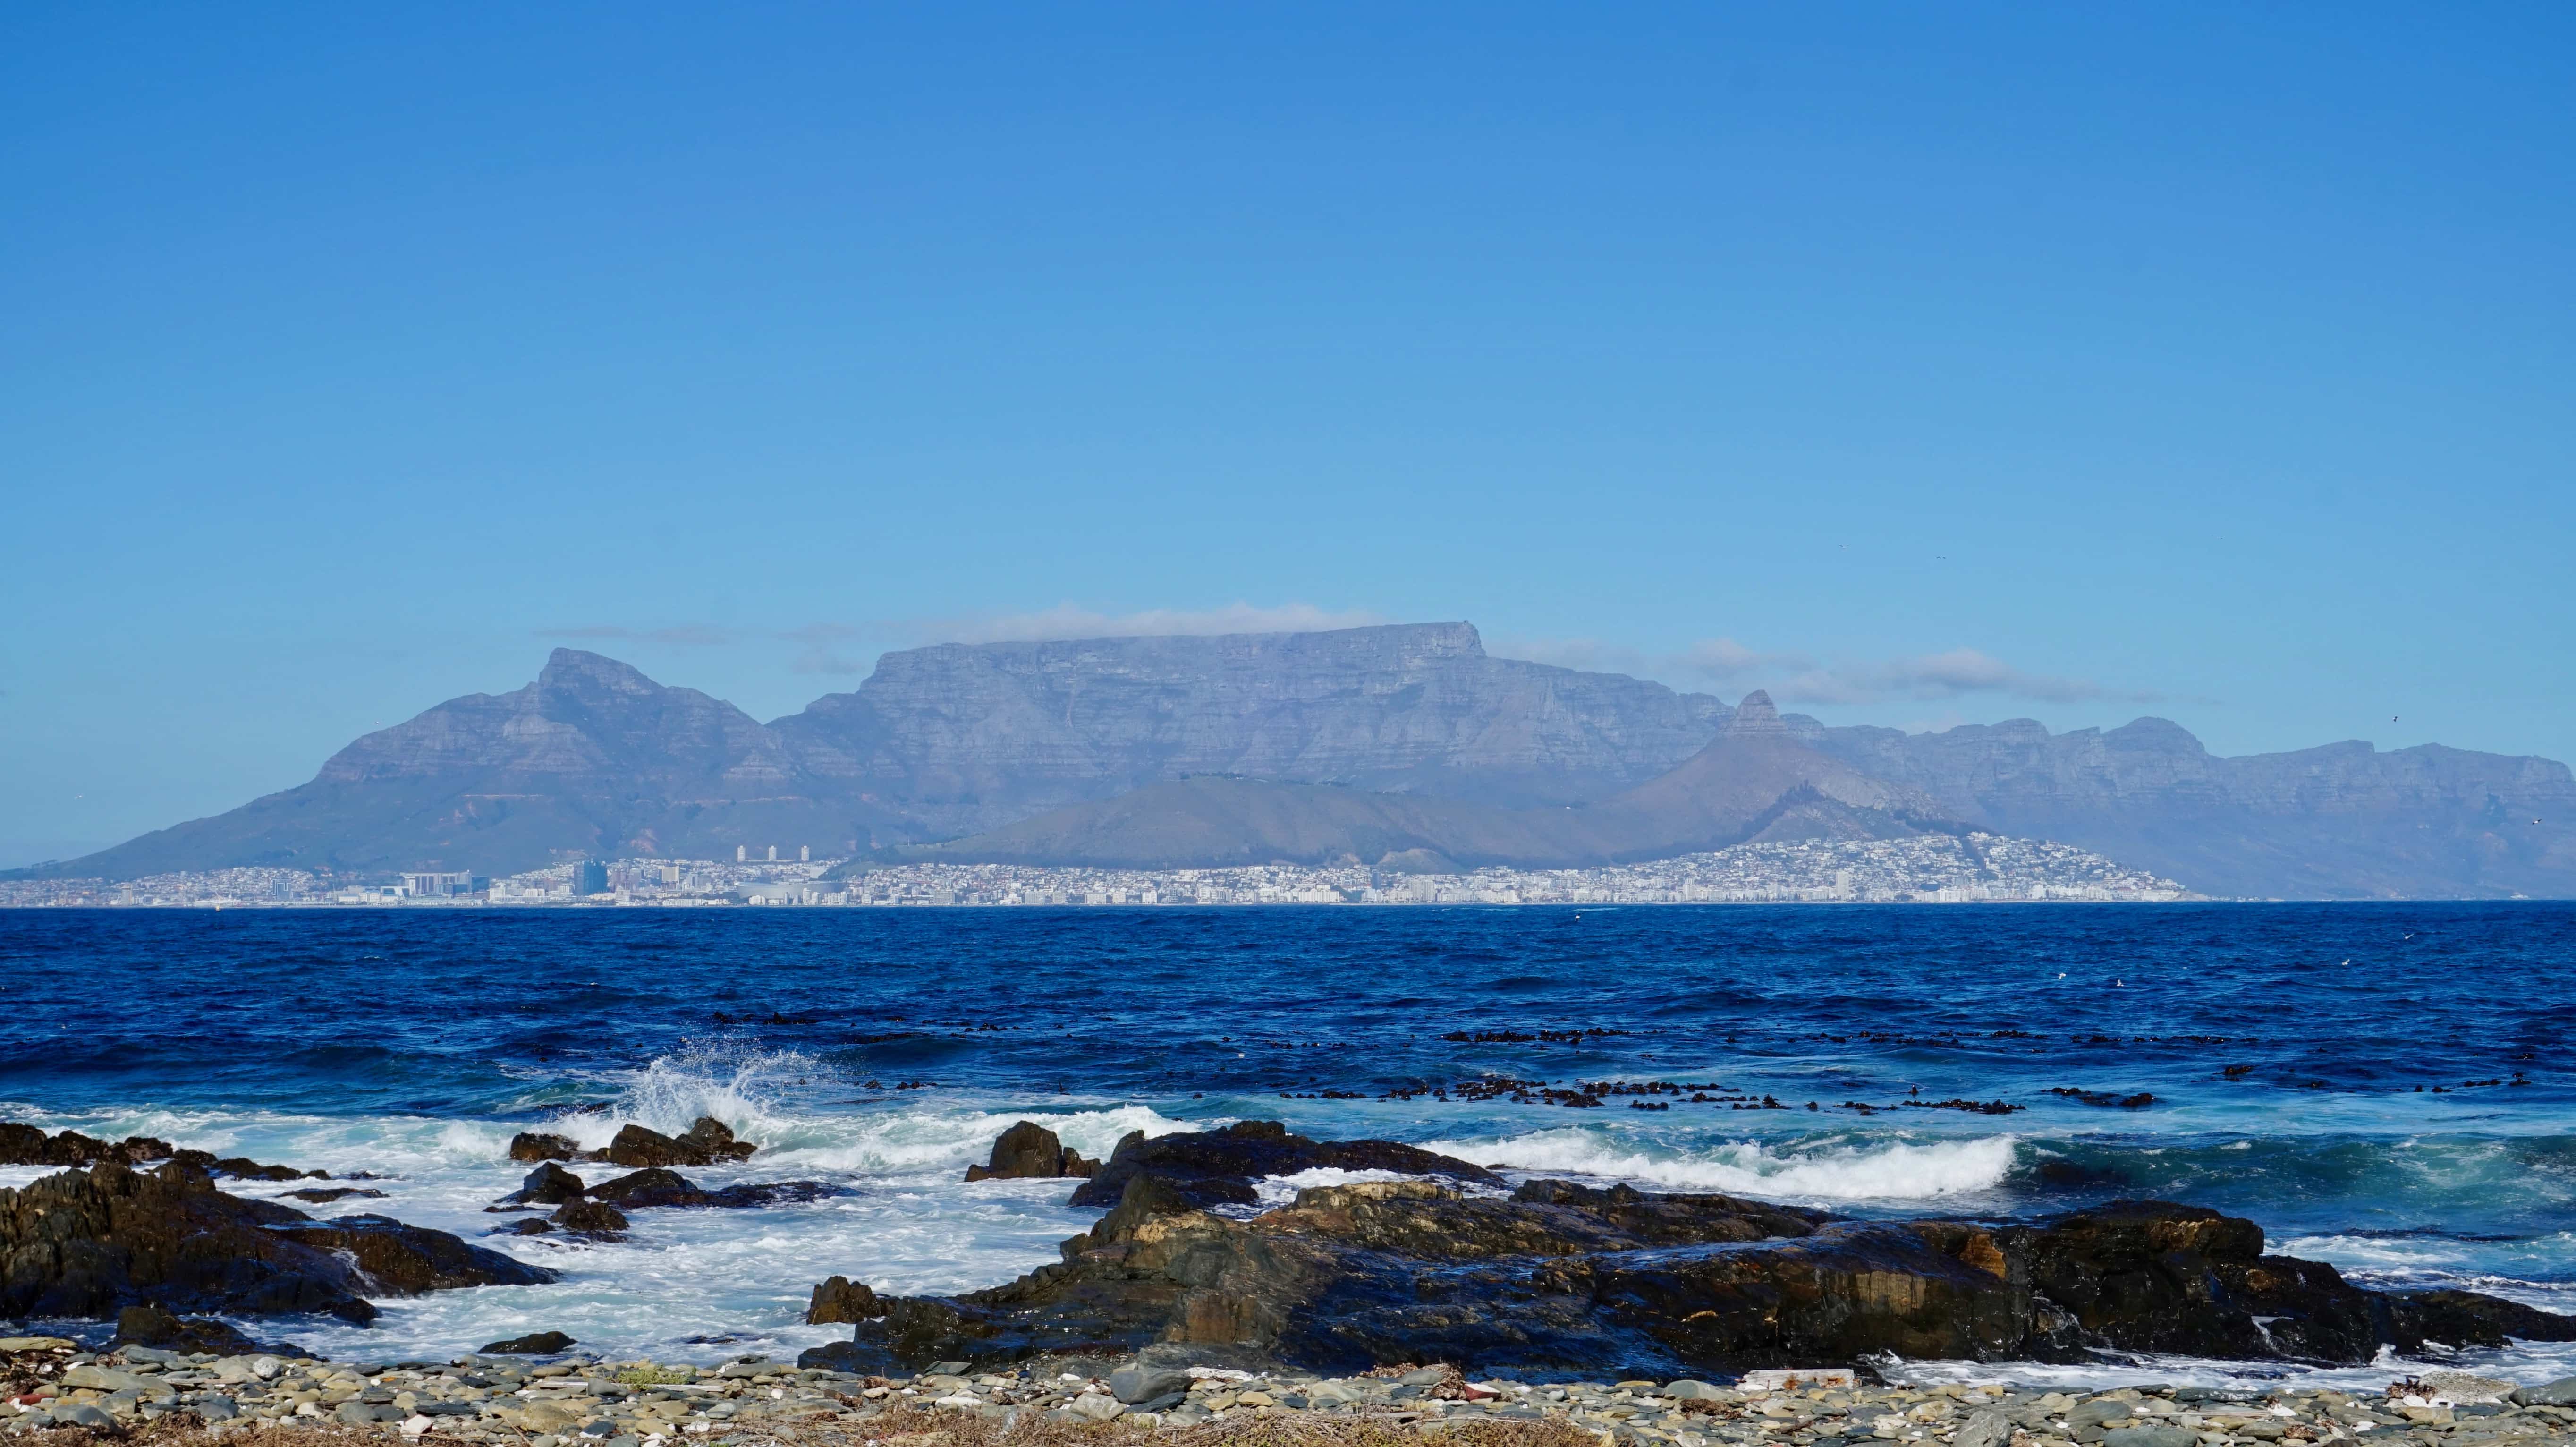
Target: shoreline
572,1400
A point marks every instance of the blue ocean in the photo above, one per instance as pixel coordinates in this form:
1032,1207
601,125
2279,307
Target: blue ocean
2385,1087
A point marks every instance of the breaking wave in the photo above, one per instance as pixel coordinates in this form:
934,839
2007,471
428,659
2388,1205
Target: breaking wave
1897,1171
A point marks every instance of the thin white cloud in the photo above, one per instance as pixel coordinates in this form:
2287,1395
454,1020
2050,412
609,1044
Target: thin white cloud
1954,674
1726,658
1067,621
1590,655
1794,677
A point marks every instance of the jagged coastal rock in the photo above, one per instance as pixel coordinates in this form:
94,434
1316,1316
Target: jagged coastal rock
1566,1279
1218,1167
708,1141
1029,1151
91,1243
599,1211
25,1145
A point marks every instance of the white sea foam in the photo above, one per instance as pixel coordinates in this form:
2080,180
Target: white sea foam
1271,1192
1895,1171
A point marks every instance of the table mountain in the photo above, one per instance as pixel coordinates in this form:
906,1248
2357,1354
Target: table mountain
971,736
1753,781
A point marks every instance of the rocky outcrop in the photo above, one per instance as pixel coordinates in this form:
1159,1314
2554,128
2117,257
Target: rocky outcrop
1029,1151
589,1218
547,1185
600,1210
530,1145
841,1299
705,1143
657,1187
1562,1278
91,1243
26,1145
1218,1167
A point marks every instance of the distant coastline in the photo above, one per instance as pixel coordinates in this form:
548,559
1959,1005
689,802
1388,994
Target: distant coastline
1940,869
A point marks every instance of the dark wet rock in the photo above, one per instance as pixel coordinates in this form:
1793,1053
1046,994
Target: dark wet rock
841,1299
25,1145
324,1195
2069,1175
773,1193
716,1139
1603,1283
1218,1167
1029,1151
403,1260
90,1243
534,1344
589,1218
548,1185
529,1145
244,1168
149,1325
651,1187
657,1187
239,1167
525,1226
705,1143
2467,1318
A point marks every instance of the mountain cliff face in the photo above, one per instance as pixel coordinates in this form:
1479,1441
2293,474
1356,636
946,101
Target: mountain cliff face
1753,781
2341,821
972,736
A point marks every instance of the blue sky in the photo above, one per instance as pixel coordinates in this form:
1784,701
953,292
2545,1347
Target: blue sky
1925,363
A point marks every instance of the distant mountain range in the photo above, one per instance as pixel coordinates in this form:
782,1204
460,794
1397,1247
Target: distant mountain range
1404,746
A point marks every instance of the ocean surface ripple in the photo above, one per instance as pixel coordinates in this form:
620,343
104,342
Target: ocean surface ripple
2380,1086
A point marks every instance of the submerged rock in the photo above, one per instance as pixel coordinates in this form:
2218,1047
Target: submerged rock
658,1187
91,1243
324,1195
534,1344
1564,1278
151,1326
1218,1167
1029,1151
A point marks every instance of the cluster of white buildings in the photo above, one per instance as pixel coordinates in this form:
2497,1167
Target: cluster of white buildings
1931,869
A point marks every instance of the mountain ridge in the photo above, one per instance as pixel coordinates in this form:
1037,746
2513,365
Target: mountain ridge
956,742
